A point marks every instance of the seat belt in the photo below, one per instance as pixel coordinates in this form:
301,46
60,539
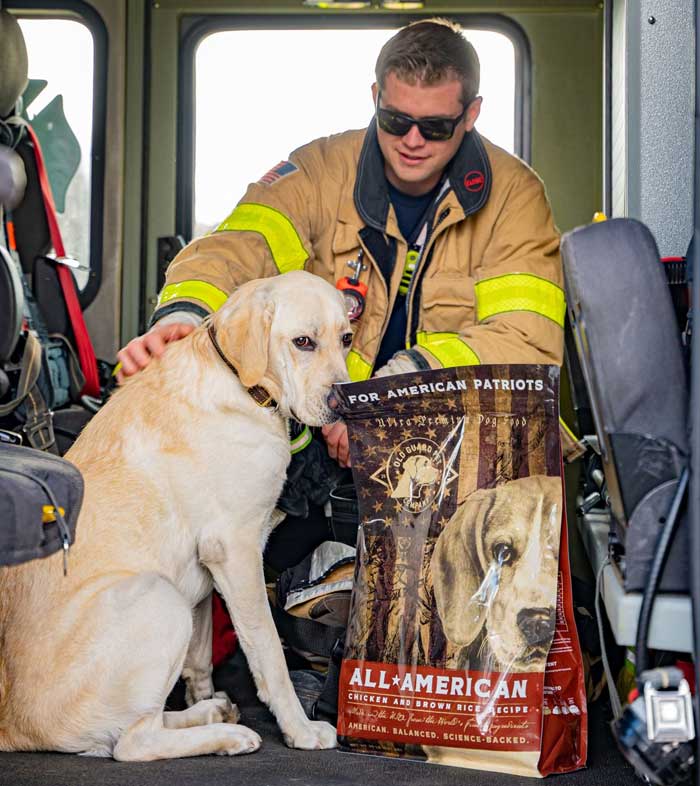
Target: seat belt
86,353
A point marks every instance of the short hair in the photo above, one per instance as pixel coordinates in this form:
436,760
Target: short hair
430,51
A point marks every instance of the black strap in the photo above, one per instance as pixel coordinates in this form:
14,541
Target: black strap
305,634
326,706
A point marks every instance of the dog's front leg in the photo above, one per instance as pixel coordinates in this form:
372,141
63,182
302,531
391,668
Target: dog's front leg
239,576
197,668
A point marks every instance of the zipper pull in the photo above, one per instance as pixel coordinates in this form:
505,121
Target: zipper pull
409,267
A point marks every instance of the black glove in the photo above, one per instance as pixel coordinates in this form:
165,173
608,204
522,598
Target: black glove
311,476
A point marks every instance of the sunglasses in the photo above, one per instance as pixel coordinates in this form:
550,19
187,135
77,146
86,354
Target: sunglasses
434,129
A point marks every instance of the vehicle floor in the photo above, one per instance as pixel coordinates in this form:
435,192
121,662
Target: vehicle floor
275,764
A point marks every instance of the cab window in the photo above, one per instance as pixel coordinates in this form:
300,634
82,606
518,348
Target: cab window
259,94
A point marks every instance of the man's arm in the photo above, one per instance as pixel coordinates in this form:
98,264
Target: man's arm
519,296
267,233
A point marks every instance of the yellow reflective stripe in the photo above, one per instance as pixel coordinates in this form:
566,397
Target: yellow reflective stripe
208,294
358,368
287,250
300,442
448,348
520,292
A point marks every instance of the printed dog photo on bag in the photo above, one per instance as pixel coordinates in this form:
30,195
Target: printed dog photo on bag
494,571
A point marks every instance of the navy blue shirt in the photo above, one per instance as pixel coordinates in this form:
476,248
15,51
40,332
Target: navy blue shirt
411,213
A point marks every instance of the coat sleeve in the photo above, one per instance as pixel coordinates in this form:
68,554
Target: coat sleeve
519,296
270,231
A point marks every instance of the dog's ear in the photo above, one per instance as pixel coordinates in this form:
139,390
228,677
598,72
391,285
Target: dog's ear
243,330
457,572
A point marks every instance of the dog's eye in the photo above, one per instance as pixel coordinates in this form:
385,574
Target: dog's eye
346,339
503,553
305,343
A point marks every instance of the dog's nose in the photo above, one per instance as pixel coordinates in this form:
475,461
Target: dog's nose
332,401
536,624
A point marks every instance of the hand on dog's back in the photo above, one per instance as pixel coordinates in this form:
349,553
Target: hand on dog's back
139,352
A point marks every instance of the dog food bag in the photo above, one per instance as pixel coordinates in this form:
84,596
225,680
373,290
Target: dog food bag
461,647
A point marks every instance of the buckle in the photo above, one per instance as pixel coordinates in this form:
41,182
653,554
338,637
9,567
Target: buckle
669,713
42,424
261,396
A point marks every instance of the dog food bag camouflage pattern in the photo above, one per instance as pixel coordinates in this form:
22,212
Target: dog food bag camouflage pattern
461,647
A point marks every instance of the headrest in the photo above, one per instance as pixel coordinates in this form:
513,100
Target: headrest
13,178
13,63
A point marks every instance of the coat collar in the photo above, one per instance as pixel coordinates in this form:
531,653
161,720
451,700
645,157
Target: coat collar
469,174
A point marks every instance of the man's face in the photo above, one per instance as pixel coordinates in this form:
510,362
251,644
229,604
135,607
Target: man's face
413,164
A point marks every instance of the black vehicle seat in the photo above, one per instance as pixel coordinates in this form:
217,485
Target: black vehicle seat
629,349
13,80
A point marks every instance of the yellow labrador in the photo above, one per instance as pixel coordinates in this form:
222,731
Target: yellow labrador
495,569
182,471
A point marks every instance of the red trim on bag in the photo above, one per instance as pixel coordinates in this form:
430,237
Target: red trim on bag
565,717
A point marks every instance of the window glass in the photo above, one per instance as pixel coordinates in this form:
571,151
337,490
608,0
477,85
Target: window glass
260,94
61,54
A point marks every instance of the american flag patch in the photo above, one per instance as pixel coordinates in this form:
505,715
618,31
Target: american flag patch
278,172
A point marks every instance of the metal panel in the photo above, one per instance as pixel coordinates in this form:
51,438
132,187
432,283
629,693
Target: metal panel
652,117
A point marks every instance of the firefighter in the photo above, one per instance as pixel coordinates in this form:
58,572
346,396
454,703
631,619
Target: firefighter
444,243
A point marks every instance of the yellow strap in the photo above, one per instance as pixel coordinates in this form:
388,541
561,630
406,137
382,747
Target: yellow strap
358,368
212,297
520,292
563,425
287,250
448,348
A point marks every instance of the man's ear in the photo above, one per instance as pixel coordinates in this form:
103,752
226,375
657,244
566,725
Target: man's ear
375,91
457,573
243,331
473,113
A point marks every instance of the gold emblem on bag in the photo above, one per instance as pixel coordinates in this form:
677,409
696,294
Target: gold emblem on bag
414,474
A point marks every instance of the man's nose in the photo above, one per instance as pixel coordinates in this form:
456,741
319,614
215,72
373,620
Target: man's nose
413,137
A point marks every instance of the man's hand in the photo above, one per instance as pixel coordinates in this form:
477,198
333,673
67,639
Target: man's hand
336,436
401,363
139,352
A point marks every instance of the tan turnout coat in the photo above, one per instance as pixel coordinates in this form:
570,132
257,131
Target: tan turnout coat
486,289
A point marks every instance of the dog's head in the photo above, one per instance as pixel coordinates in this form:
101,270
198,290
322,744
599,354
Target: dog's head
291,335
495,565
418,471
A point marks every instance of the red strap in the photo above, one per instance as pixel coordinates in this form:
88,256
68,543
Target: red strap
86,354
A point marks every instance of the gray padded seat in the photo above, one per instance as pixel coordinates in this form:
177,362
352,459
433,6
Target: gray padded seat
629,348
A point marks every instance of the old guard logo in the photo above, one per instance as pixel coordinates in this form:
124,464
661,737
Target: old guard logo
413,473
474,180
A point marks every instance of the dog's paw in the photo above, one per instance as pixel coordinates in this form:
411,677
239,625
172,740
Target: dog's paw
198,685
240,739
313,735
223,710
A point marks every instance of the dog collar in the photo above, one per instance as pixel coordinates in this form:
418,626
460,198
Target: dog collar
258,393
